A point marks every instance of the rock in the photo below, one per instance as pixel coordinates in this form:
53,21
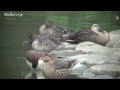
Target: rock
118,77
112,42
76,56
112,62
71,76
117,45
103,77
114,53
93,59
91,47
118,70
77,70
67,46
88,75
115,32
65,53
112,36
105,69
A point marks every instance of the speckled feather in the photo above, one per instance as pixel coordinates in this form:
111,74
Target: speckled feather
58,69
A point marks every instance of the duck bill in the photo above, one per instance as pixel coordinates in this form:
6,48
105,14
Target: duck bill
25,42
101,30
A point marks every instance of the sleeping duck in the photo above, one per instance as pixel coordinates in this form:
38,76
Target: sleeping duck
57,30
50,25
96,35
44,42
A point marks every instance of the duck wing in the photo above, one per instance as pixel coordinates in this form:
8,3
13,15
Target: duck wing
58,65
48,39
85,35
73,36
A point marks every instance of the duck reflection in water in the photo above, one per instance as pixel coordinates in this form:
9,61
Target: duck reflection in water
38,74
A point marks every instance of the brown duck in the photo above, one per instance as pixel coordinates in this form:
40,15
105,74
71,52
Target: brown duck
96,35
32,58
54,68
53,28
45,42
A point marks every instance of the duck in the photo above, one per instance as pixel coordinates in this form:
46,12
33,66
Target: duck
50,66
44,42
53,67
32,37
54,28
32,59
96,35
50,25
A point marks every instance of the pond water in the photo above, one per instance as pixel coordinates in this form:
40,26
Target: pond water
15,27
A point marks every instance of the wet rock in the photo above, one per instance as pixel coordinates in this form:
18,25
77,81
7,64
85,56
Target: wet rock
112,42
114,53
112,62
117,45
115,32
67,47
65,53
77,70
105,69
75,57
118,67
91,47
88,75
103,77
93,59
113,36
71,76
118,77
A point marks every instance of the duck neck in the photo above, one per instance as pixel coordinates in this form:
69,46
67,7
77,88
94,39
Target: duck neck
35,45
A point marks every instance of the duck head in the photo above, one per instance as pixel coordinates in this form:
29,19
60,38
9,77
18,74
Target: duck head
96,28
32,37
42,29
33,57
47,25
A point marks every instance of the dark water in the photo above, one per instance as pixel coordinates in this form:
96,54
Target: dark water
16,29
